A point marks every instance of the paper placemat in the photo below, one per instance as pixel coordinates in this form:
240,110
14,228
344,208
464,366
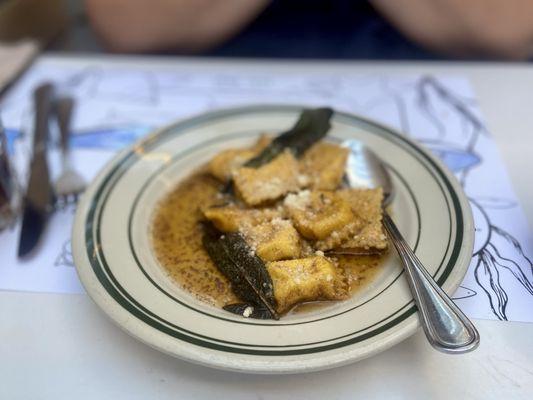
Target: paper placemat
117,104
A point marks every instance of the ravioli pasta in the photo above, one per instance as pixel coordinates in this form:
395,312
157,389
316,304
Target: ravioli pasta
271,228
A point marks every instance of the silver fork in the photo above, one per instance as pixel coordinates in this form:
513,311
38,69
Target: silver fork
70,183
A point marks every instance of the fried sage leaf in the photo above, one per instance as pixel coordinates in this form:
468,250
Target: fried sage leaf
247,273
310,128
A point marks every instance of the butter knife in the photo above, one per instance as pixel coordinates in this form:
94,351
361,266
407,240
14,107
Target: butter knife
39,194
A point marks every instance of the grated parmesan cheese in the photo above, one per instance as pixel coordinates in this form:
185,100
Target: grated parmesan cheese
247,311
298,200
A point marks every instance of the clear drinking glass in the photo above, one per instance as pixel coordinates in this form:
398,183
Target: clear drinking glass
8,185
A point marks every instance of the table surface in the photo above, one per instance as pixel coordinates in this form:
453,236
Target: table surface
63,347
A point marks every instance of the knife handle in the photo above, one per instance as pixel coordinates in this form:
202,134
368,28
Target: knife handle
42,98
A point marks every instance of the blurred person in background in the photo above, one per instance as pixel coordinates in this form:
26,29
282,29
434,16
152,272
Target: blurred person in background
374,29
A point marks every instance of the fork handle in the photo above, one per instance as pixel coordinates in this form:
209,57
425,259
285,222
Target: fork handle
63,108
446,327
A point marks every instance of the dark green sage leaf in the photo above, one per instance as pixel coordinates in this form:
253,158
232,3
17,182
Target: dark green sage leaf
310,128
247,273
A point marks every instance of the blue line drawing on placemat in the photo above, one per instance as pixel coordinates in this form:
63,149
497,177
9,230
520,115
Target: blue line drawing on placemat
487,257
115,138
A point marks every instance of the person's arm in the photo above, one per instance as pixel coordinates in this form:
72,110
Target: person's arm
189,25
483,28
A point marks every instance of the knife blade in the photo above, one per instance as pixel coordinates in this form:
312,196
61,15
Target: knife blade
39,194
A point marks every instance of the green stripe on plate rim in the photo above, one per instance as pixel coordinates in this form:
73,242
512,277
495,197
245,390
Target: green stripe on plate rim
98,263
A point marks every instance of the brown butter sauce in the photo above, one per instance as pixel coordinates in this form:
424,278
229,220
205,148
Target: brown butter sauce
177,243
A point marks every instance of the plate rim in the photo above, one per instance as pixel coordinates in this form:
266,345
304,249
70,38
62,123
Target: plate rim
120,316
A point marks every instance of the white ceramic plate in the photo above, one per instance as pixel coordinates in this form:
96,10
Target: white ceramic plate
118,268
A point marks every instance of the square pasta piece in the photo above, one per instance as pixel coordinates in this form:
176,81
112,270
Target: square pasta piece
273,240
268,182
318,214
306,279
324,165
366,204
231,218
226,162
